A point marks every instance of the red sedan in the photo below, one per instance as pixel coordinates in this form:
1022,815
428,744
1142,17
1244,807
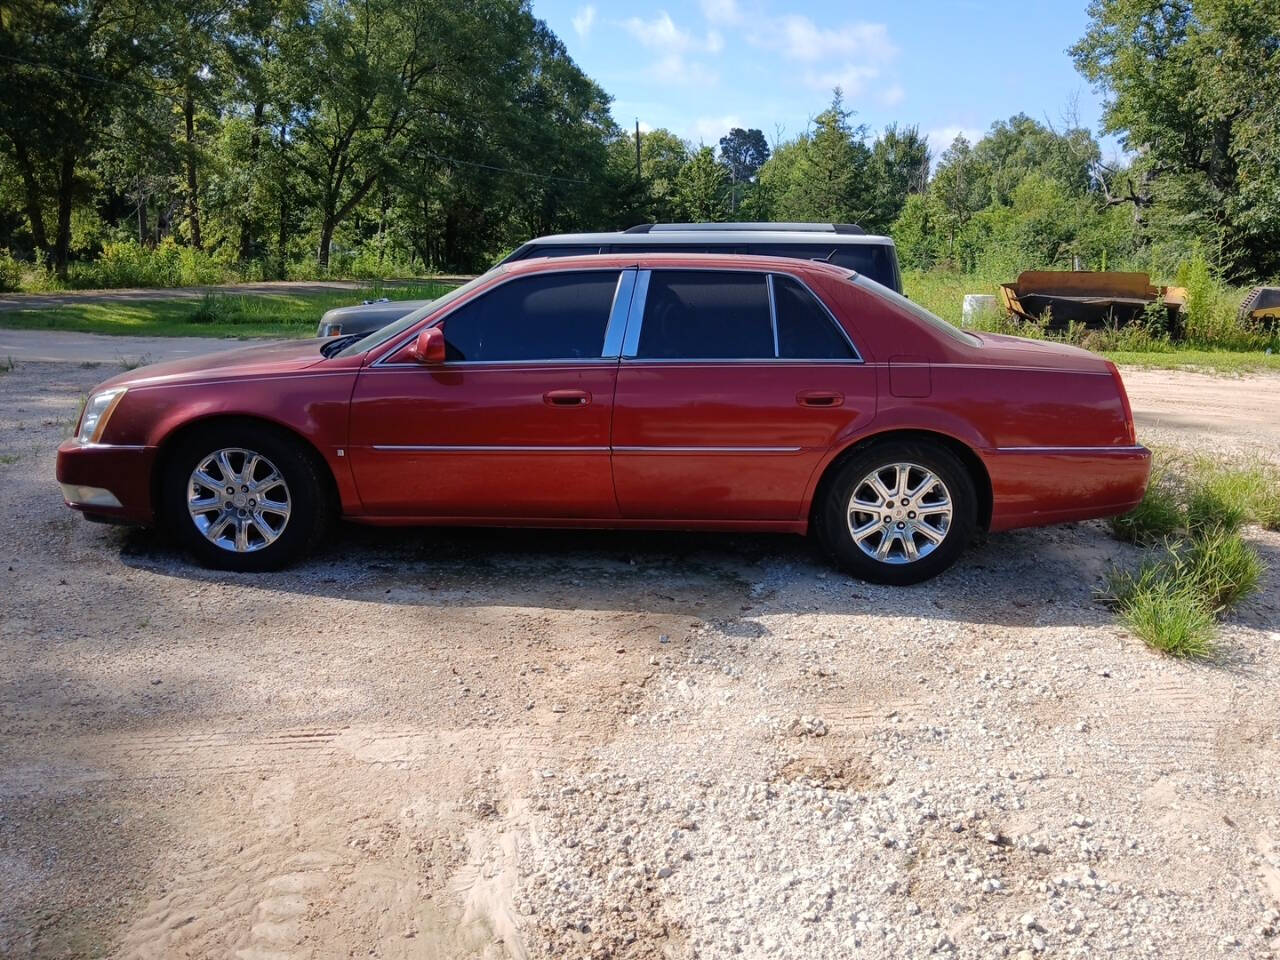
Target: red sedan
673,391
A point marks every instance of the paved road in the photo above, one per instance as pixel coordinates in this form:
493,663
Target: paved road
39,301
62,347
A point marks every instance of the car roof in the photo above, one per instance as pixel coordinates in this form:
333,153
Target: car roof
731,233
704,261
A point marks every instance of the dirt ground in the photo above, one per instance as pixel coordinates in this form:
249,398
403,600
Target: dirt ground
489,744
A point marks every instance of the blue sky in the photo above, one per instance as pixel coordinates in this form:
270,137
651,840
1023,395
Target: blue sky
948,66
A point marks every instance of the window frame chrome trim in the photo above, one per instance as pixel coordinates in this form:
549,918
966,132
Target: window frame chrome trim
773,315
383,360
635,320
619,311
688,449
481,448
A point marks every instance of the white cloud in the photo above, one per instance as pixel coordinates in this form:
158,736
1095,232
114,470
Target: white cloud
892,95
676,70
584,20
851,78
800,38
709,130
942,137
723,12
662,33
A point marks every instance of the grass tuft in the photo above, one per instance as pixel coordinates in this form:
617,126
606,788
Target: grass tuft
1171,616
1222,568
1173,602
1159,515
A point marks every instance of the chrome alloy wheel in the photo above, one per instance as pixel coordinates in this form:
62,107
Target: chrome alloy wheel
899,513
238,500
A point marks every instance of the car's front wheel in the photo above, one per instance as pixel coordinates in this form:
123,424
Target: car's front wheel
243,497
898,512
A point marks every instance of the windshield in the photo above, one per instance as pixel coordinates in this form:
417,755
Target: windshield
396,327
917,311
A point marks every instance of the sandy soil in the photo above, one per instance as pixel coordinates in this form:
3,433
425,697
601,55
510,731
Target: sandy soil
483,744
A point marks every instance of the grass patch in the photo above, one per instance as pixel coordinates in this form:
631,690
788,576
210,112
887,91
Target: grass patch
1168,616
1173,602
215,315
1236,362
1222,569
1159,516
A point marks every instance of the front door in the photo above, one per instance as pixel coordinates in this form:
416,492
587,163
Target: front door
515,423
732,387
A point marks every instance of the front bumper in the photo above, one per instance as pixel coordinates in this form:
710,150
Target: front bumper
1034,486
93,475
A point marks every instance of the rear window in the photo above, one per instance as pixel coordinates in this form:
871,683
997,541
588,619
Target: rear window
805,330
917,311
706,315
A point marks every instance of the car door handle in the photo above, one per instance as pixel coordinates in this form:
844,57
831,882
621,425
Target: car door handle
566,398
819,398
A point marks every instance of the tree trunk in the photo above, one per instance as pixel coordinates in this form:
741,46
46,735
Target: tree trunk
66,189
193,201
143,239
283,234
31,197
326,239
247,244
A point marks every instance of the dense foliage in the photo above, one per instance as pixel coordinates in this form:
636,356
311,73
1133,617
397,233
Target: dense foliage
147,142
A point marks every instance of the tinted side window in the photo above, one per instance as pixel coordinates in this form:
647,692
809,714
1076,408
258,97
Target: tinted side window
556,250
869,259
805,330
558,316
657,247
704,315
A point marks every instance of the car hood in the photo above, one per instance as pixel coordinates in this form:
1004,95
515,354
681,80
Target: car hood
1023,352
261,359
376,312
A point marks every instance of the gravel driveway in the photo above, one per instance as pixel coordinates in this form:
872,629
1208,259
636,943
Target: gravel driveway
487,744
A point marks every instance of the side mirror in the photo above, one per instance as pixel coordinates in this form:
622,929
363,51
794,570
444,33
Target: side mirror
429,347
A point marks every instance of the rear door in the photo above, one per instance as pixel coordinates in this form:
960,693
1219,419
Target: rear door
732,386
515,423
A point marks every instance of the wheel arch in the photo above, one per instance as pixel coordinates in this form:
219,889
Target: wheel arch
963,452
171,440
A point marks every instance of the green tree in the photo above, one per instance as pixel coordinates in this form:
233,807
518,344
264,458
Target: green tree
743,152
65,67
899,168
662,156
702,188
830,182
957,192
1191,90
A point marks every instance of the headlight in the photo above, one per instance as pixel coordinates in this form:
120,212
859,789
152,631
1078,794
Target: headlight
96,412
331,328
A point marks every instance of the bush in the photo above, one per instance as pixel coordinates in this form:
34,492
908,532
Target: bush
10,272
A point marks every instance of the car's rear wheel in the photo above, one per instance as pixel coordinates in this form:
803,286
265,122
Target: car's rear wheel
898,512
243,497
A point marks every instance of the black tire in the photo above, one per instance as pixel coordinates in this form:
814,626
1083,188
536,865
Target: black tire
310,510
834,527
